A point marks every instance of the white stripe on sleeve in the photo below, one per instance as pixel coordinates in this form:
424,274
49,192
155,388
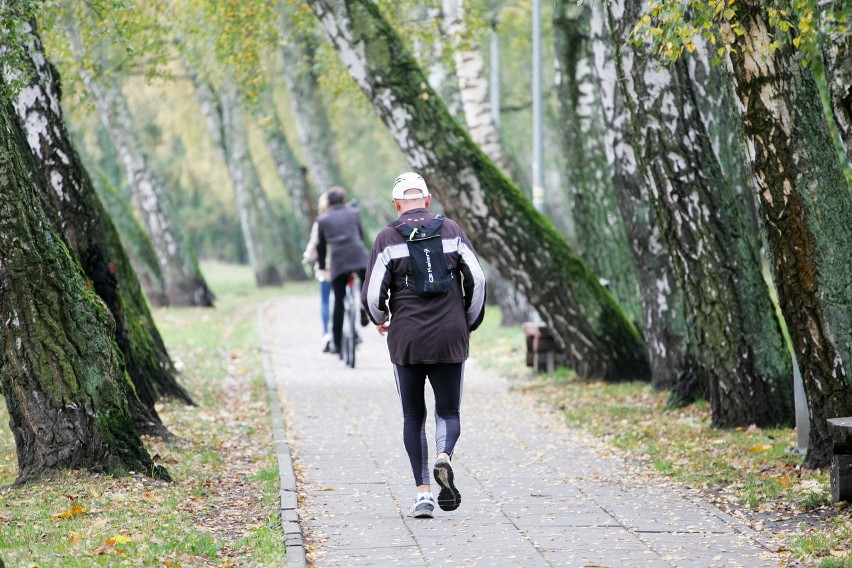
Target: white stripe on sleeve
377,275
478,297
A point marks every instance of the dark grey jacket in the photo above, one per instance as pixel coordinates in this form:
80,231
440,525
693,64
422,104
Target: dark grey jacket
424,330
341,234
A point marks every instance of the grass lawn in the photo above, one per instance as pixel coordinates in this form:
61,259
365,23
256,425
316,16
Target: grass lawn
223,508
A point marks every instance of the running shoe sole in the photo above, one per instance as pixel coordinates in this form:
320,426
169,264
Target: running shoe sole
449,498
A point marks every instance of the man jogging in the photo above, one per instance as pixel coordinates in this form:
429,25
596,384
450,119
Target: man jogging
426,289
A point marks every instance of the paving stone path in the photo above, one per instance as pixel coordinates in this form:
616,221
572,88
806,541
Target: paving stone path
534,491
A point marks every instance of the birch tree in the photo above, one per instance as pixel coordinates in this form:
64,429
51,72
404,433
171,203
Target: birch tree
598,339
185,285
291,171
601,237
803,194
837,55
60,373
473,86
806,211
226,122
140,252
738,342
91,235
298,47
662,301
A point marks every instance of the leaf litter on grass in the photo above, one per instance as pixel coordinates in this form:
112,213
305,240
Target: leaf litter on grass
219,511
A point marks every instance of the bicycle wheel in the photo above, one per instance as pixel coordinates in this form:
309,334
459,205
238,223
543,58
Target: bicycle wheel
353,341
349,330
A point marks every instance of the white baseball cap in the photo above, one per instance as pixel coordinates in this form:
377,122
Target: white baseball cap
409,180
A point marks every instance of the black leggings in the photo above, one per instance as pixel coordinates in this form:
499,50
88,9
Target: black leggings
338,286
447,382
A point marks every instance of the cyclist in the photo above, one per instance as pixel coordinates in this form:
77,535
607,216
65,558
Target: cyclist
340,234
428,336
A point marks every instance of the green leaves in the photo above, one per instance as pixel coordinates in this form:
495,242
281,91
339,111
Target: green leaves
673,26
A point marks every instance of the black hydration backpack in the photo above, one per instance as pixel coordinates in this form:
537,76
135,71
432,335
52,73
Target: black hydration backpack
428,273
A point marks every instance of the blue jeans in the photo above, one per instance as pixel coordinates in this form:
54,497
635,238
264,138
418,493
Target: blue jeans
325,292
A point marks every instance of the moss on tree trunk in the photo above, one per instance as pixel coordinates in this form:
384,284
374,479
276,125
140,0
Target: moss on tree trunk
806,212
736,340
60,371
91,235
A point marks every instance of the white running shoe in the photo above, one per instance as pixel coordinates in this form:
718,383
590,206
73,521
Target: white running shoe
423,506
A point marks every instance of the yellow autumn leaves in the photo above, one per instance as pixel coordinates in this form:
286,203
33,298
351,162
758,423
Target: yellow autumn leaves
108,546
674,27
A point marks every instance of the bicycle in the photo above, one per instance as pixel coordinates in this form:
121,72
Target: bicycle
351,316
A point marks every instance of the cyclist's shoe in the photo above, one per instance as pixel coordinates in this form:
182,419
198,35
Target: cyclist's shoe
449,498
365,320
423,506
326,343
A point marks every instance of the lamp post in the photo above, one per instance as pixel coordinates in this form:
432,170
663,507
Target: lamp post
538,137
495,72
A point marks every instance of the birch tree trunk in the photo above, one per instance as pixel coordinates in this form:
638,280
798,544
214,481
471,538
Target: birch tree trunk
226,122
662,300
60,372
473,86
431,54
134,239
478,116
185,285
838,72
599,340
292,173
601,237
91,235
806,211
298,48
739,345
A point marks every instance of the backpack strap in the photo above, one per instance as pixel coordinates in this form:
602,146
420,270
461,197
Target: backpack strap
410,233
405,230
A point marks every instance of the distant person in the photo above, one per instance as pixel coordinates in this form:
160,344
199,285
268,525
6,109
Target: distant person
428,304
341,236
310,257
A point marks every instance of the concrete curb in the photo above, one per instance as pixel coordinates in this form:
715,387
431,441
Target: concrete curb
293,537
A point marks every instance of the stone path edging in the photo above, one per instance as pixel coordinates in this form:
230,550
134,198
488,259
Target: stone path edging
293,538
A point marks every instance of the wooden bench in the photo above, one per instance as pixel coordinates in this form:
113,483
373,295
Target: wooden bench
541,346
840,430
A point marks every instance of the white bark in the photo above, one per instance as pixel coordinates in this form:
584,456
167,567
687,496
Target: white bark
662,308
473,86
184,283
226,122
314,127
